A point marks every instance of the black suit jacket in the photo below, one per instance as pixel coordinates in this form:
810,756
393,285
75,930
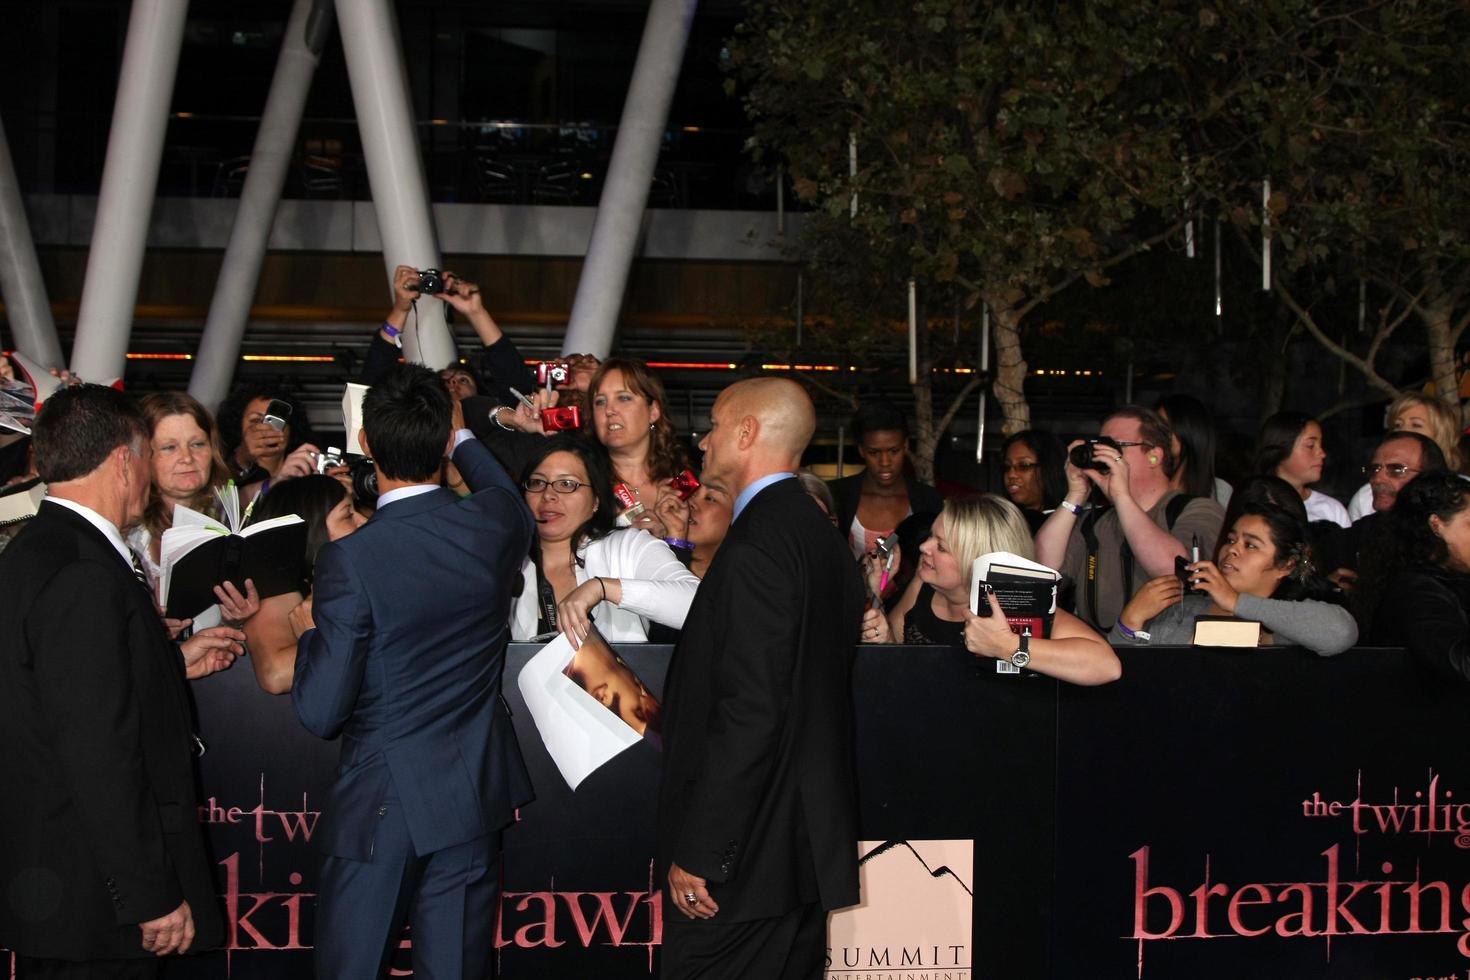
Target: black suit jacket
758,793
99,830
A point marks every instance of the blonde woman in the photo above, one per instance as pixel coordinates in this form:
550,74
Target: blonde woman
936,607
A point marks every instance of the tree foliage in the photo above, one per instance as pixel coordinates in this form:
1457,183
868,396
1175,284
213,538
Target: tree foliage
1004,151
1357,114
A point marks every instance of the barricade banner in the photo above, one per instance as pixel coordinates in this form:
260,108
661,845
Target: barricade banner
1214,814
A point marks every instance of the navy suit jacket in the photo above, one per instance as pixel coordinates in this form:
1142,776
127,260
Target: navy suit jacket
412,617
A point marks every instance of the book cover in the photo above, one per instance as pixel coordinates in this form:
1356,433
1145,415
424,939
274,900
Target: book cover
1025,589
199,552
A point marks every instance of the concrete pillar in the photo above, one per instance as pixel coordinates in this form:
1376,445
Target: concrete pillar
390,144
307,31
615,232
129,183
31,326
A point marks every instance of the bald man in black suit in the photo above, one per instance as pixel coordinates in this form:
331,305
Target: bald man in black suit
757,820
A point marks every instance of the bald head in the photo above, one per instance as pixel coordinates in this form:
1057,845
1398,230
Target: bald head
758,427
783,409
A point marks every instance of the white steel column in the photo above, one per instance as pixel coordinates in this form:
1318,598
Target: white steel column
229,310
31,326
594,318
129,183
390,144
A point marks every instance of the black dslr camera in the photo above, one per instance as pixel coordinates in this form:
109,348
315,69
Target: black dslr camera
430,281
1081,455
364,481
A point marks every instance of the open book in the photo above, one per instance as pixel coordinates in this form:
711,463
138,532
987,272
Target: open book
1026,590
19,502
199,552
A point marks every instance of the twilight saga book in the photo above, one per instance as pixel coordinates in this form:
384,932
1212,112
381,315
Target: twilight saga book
199,552
1025,589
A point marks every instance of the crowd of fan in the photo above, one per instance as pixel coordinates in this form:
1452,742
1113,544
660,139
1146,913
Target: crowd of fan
1148,539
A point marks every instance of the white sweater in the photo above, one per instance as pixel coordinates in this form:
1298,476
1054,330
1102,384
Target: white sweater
656,586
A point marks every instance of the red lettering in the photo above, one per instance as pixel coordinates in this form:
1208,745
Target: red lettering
1337,908
1239,899
1414,890
1142,893
1304,917
616,928
547,925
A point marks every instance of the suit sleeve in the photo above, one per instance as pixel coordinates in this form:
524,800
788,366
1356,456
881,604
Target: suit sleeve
85,683
330,658
380,359
480,469
751,683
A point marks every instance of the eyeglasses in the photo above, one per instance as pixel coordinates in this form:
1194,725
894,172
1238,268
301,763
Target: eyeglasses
1021,467
535,484
1126,445
1394,469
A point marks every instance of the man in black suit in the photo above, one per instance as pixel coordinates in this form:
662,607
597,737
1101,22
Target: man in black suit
400,651
102,863
757,817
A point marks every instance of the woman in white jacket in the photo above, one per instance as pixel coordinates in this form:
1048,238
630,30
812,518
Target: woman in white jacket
583,568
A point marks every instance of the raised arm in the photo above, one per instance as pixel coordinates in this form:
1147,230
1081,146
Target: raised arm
330,656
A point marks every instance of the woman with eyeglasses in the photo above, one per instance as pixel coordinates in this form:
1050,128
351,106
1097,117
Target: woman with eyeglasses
1034,474
583,568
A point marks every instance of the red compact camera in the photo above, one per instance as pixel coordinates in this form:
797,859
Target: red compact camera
559,419
685,484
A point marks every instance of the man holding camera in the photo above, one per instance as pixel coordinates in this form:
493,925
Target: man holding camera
400,650
1108,551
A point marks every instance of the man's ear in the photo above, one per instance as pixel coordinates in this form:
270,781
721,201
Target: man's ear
750,428
362,442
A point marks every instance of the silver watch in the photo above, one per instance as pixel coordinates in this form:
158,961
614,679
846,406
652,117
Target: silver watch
1022,656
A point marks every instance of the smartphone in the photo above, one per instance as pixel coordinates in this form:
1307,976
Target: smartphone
1181,569
277,414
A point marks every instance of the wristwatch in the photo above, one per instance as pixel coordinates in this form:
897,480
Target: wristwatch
1022,656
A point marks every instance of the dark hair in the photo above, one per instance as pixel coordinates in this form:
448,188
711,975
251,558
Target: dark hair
1051,458
1278,438
1153,431
1194,427
79,426
599,474
406,416
311,498
1288,529
877,415
231,417
1406,538
159,406
1261,491
1431,456
666,458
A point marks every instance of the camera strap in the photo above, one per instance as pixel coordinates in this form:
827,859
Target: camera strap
547,599
1088,527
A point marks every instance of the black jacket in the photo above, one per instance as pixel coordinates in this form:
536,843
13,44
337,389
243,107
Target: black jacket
1424,610
758,793
100,828
849,490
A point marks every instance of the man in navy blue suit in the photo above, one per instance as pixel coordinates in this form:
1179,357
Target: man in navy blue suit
400,651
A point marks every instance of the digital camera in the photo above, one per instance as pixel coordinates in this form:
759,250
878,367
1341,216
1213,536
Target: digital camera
559,419
553,372
430,281
1081,455
364,481
329,459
